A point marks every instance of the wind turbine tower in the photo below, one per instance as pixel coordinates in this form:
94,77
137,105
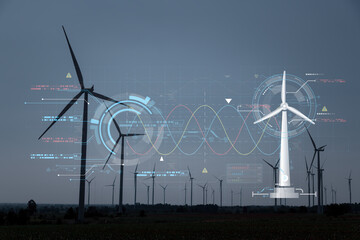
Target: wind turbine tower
349,182
220,182
191,187
164,189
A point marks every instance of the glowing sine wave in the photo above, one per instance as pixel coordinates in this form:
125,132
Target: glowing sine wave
256,143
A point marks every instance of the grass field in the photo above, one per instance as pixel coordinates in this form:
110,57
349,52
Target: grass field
197,226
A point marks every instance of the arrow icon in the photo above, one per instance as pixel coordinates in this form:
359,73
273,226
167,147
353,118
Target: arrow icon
228,100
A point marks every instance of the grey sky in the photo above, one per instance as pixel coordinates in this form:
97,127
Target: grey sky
153,48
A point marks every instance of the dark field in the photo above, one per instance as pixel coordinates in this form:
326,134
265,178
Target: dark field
196,226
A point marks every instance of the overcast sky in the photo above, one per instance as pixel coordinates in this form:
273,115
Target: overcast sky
176,52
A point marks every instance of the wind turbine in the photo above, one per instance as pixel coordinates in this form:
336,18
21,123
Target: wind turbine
313,187
349,181
185,194
113,190
89,182
164,188
148,193
308,172
86,92
153,175
135,182
122,138
220,181
317,151
203,188
275,169
206,195
213,195
284,189
332,194
191,187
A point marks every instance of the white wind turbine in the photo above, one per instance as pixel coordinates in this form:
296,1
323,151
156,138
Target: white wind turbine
284,189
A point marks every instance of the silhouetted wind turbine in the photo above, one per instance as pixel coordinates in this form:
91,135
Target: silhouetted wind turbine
164,189
275,169
113,190
86,92
317,151
213,195
153,175
220,181
313,187
148,193
191,187
185,193
89,182
122,138
308,172
203,188
135,182
349,181
332,195
206,195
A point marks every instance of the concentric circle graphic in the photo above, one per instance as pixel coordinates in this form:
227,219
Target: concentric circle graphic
138,118
299,95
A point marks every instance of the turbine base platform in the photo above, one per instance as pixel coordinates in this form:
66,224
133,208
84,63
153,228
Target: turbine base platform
284,192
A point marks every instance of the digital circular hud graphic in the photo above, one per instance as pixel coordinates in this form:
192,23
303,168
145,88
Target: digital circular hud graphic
138,118
298,95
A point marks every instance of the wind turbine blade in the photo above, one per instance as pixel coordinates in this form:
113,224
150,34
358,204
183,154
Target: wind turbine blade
63,112
307,167
350,175
277,163
76,65
273,113
114,181
283,88
312,140
154,167
98,95
322,147
312,161
134,134
268,163
117,141
91,179
189,171
297,112
136,167
113,119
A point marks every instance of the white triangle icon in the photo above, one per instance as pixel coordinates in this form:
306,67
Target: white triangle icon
161,159
228,100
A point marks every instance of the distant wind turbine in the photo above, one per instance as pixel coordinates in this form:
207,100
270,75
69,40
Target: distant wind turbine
164,189
317,151
284,188
89,182
349,182
113,190
203,188
191,187
86,92
185,190
308,172
275,169
153,175
220,181
148,193
121,137
135,182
